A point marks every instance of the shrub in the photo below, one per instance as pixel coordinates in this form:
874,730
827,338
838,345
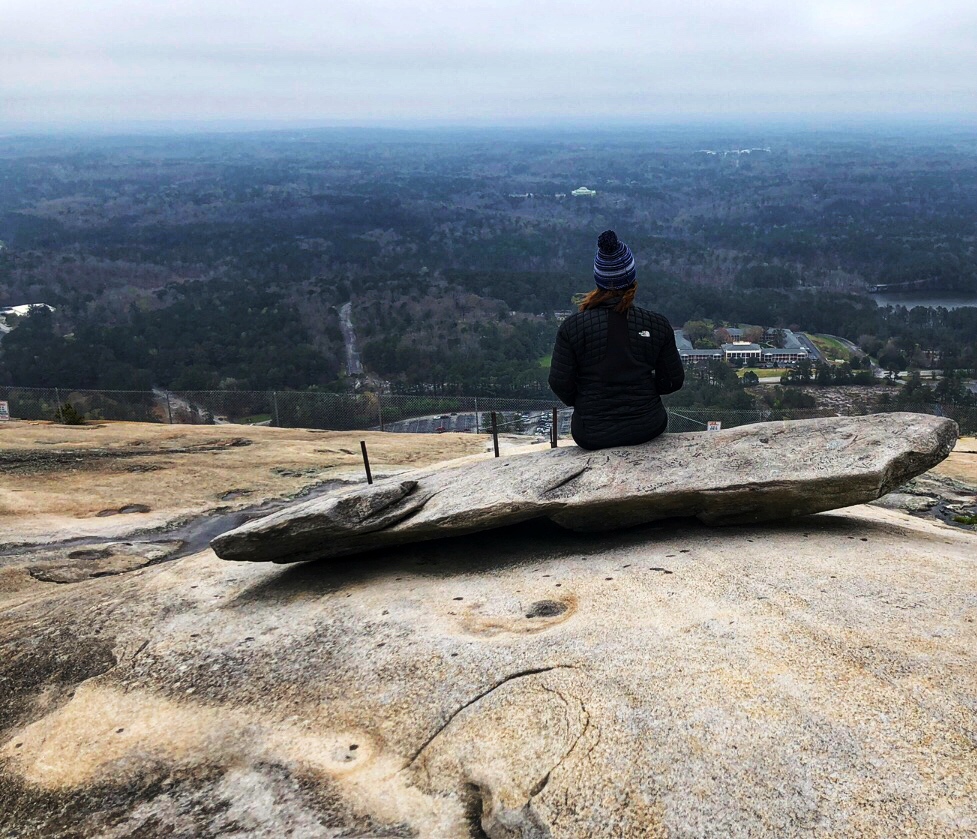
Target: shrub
67,415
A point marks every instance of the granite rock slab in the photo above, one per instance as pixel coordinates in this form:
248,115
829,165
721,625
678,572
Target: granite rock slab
808,678
750,474
812,677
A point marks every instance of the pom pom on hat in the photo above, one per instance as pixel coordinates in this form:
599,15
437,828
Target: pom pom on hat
607,241
613,264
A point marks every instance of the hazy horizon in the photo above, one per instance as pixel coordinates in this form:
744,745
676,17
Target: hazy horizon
760,125
233,66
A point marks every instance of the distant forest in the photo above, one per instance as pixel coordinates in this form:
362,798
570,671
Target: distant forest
211,262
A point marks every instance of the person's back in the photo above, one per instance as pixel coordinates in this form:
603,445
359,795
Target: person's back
613,360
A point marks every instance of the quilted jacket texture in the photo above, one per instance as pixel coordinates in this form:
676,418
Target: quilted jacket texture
613,367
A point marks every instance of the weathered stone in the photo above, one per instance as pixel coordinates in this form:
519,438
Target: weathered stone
941,488
805,678
811,678
907,501
62,565
743,475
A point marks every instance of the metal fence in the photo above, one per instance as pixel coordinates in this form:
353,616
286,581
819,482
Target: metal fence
374,411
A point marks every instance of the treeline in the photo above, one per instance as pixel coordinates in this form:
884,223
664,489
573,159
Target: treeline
825,375
715,385
217,335
419,332
220,261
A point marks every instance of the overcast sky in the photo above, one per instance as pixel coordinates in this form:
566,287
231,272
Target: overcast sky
110,62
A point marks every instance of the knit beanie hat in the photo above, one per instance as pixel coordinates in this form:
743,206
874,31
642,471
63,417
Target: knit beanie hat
613,264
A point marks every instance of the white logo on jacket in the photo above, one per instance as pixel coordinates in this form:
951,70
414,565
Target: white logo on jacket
644,333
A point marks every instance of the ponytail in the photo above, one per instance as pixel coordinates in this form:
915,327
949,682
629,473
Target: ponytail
600,295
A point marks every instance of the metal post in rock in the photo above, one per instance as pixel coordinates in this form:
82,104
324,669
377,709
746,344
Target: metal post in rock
554,434
495,434
366,462
274,401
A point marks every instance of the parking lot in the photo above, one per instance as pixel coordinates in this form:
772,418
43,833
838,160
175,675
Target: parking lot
530,423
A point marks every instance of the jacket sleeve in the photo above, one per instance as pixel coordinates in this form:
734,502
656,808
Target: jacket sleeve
563,369
669,373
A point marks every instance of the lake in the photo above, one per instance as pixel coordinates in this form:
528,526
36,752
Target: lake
947,300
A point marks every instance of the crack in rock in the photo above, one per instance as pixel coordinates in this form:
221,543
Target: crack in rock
539,787
562,483
520,675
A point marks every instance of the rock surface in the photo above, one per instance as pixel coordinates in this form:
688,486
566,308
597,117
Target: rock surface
749,474
938,495
910,502
116,479
805,678
72,565
813,678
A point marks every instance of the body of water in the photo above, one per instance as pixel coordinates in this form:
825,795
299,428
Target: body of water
946,299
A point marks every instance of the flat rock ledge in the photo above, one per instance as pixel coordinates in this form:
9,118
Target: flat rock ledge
754,473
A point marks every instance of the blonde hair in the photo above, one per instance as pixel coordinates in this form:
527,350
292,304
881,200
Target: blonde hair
600,295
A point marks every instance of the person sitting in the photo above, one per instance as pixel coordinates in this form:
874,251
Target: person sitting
613,360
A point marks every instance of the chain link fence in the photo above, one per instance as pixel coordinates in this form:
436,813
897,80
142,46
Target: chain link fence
374,411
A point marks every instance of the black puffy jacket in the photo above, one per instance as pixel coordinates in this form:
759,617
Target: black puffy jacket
612,367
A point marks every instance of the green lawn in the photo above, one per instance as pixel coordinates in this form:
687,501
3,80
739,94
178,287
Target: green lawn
777,371
253,420
546,361
832,348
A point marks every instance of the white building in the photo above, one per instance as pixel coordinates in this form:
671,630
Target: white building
751,355
784,356
24,309
582,190
18,311
742,350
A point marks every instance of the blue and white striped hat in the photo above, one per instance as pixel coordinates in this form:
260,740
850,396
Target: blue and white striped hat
613,264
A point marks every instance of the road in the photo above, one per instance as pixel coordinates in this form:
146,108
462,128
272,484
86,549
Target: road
353,365
179,409
809,345
854,348
431,423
